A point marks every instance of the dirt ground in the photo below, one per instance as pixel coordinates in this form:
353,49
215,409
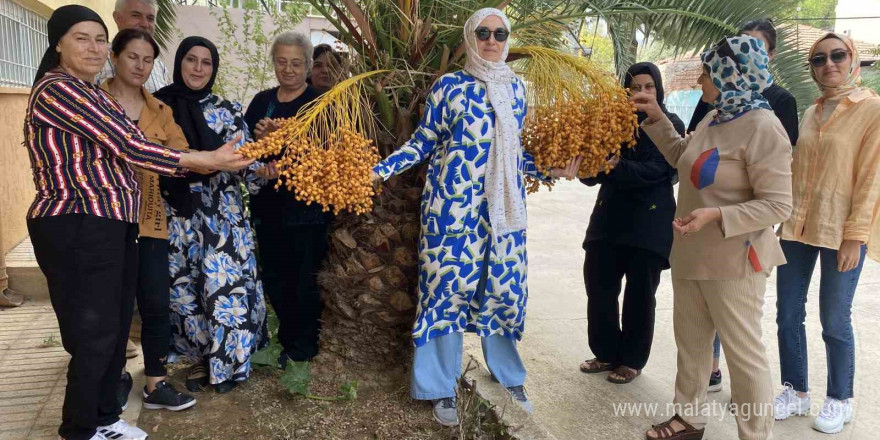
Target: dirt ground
262,408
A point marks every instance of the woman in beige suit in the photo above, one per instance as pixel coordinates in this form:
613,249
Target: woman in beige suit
735,174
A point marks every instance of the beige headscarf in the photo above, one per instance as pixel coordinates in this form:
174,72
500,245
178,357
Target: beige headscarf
507,209
853,77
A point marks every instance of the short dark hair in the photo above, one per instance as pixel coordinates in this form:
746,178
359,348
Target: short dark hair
125,36
321,49
765,27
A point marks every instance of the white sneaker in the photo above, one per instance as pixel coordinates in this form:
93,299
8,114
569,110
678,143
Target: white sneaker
121,430
835,413
787,404
97,436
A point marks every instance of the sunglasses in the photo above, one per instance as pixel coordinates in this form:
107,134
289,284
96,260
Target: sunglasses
483,34
837,57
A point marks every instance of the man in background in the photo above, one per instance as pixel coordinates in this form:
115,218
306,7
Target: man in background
138,14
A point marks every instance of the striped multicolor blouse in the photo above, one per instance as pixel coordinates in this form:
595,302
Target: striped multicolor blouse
82,148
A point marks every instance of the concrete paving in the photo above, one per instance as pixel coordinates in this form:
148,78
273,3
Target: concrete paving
33,369
574,405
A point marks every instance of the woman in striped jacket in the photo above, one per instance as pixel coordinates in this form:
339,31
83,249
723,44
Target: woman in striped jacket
83,221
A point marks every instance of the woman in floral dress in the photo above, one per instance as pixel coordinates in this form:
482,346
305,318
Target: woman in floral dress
217,308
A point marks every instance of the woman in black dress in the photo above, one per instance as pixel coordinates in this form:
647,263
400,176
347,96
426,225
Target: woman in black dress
292,236
629,235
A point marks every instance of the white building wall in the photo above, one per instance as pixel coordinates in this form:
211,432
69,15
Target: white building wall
865,29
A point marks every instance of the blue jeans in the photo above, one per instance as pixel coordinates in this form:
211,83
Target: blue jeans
836,291
437,365
716,346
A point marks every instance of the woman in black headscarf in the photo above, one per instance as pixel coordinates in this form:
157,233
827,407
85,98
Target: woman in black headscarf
629,235
217,308
83,221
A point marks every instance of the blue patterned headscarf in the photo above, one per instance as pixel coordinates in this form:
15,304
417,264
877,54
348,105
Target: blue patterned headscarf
738,67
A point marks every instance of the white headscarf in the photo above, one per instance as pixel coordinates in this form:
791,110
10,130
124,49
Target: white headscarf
507,209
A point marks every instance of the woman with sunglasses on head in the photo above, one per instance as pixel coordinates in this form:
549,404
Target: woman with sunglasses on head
836,188
735,186
472,246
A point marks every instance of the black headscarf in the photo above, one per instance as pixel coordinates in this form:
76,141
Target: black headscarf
647,69
60,22
643,140
184,102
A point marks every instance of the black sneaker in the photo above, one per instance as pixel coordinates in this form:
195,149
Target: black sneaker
166,397
225,387
124,389
715,382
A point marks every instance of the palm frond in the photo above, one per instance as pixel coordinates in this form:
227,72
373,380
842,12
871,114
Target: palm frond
554,77
790,69
623,36
166,19
695,25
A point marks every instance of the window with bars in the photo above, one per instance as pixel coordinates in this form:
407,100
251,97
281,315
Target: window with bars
22,44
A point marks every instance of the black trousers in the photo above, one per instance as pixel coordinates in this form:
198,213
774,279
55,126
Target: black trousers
290,258
90,264
620,340
153,301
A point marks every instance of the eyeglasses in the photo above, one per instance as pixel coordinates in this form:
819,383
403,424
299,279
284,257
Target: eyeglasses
293,64
483,34
837,57
636,88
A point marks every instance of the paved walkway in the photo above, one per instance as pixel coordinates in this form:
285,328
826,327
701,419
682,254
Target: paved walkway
33,368
569,404
574,405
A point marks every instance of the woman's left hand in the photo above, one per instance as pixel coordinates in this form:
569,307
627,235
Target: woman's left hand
570,171
696,220
849,255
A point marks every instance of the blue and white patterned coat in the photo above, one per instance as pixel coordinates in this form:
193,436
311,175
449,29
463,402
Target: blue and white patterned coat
454,136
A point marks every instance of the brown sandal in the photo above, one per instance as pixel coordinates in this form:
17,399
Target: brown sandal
595,366
665,431
197,378
628,374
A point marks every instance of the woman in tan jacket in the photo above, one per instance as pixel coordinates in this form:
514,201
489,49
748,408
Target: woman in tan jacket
735,185
133,52
836,187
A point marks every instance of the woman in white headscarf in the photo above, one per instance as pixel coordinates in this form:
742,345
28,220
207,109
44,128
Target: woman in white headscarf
472,247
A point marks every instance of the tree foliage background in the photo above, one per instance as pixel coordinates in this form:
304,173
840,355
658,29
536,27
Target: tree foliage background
822,12
248,41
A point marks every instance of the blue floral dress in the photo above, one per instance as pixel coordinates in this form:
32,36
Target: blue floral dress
455,135
218,315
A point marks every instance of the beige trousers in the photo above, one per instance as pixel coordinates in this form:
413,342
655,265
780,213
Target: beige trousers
734,308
